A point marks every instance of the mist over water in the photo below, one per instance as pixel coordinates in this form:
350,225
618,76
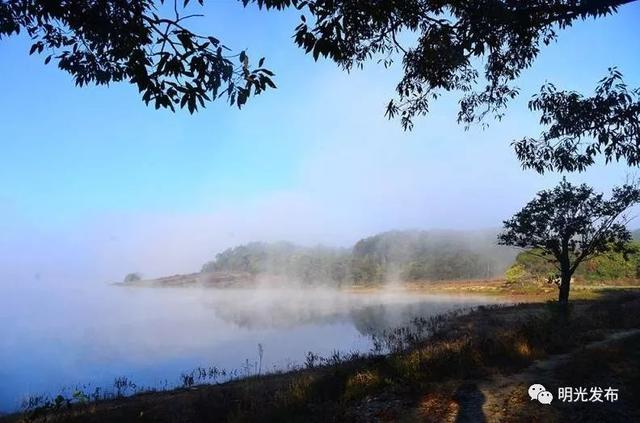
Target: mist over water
56,334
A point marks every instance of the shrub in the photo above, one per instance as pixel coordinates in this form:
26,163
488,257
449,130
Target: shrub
516,273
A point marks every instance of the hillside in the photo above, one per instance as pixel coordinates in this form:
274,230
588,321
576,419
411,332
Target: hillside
395,256
386,257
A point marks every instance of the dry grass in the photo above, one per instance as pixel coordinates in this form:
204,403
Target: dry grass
422,382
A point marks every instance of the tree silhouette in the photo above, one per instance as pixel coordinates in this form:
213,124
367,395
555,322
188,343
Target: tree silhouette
452,40
568,224
610,120
105,41
475,48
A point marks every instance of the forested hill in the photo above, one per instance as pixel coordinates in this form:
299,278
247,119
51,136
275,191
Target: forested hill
389,256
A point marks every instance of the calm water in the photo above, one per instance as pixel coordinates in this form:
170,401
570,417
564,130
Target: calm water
53,338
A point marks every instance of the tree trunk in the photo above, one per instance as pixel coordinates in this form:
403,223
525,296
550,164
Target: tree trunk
565,284
565,277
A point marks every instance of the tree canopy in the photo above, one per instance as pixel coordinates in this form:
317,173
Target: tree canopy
102,41
581,128
388,256
569,223
477,49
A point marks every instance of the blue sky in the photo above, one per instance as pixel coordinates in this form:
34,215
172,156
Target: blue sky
94,182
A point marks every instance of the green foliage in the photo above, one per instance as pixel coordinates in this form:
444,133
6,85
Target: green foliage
516,273
317,264
572,224
421,255
612,265
608,266
403,255
536,265
572,219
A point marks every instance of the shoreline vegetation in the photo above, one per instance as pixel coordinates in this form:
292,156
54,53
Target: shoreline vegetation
475,366
472,366
526,290
408,258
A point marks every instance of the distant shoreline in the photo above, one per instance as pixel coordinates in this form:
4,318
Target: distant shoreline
482,287
201,279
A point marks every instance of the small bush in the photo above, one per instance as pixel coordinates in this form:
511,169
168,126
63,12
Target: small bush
516,273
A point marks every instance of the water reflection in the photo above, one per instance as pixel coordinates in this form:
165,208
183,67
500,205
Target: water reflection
370,313
92,335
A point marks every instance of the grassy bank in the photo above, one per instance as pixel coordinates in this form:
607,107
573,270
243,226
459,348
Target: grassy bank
518,292
472,367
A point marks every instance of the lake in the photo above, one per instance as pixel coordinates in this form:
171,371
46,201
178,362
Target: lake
54,339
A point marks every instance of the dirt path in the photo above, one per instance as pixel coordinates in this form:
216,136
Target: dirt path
500,390
493,400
